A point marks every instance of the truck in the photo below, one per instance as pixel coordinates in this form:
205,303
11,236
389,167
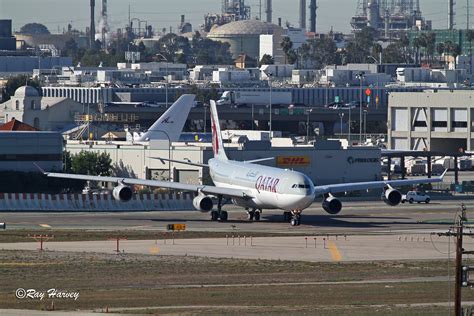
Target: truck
244,98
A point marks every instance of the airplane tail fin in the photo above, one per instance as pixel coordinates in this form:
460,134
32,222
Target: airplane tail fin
217,145
171,123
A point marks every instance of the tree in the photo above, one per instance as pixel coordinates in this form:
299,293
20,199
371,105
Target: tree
470,38
18,81
91,163
440,49
34,28
286,44
266,60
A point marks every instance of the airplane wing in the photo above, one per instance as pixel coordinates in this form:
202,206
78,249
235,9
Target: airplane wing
207,189
358,186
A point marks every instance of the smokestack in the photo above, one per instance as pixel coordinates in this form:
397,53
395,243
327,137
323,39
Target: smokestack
268,10
279,21
103,24
312,9
451,14
182,19
303,14
92,28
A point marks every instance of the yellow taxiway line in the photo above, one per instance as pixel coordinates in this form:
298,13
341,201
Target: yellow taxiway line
335,254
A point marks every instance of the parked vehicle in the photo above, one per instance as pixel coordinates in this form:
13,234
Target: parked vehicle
356,104
415,196
242,98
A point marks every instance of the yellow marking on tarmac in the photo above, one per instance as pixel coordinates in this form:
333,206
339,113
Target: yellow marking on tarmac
335,254
45,225
154,250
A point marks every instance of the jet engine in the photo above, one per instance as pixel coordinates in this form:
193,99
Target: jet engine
122,193
392,197
332,205
203,203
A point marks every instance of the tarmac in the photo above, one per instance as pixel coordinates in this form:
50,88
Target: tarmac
309,248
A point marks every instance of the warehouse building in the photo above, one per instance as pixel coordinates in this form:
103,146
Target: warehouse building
324,163
432,120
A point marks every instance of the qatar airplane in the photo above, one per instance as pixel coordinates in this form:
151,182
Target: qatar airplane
254,187
170,125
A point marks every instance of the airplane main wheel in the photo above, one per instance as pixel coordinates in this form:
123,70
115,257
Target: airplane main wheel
214,216
224,216
257,216
250,215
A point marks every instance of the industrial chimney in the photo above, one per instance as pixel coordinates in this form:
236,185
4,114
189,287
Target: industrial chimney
92,28
312,9
303,14
268,10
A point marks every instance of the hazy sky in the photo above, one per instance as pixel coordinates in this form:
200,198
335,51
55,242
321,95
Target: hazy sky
56,14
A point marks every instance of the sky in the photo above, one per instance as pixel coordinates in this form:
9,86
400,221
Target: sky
56,14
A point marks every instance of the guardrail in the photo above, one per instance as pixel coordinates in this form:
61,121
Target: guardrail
33,202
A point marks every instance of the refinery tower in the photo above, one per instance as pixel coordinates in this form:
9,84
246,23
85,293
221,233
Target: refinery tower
389,17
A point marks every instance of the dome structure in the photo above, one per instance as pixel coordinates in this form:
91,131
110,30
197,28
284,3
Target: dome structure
244,36
26,91
245,28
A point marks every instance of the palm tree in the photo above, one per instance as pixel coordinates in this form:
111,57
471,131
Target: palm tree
286,44
470,38
416,46
430,45
440,48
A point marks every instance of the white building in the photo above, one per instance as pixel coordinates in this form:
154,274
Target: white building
437,120
43,113
227,75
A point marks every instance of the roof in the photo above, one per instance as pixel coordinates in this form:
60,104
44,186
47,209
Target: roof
26,91
245,27
15,125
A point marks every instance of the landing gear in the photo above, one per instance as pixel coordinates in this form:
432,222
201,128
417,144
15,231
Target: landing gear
293,217
254,214
219,215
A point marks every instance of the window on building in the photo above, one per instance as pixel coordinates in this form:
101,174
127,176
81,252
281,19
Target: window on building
17,105
459,124
419,124
36,123
32,105
440,124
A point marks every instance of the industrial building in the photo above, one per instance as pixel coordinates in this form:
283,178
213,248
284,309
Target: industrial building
432,120
324,163
7,40
244,36
20,150
389,17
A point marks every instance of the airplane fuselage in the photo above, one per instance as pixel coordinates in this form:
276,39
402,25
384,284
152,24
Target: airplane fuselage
271,188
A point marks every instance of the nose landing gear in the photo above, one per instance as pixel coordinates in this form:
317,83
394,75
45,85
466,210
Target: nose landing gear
293,217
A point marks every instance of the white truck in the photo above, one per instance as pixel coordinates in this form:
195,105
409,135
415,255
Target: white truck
242,98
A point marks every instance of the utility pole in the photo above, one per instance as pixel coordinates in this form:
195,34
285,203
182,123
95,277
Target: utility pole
461,272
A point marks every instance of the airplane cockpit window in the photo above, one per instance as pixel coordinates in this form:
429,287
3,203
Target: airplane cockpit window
300,186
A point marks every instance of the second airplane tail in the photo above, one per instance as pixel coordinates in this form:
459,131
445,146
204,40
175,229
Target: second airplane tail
171,123
217,144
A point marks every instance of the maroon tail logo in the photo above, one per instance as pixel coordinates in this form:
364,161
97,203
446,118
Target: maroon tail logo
215,140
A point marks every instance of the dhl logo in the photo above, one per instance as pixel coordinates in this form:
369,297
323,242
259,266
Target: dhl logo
283,161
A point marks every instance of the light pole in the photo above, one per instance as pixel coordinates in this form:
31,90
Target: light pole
365,125
341,115
169,151
270,83
166,84
360,76
307,125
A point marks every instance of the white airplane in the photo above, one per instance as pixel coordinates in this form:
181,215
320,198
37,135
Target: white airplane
170,124
254,187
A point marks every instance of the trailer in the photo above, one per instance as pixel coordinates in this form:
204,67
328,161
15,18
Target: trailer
242,98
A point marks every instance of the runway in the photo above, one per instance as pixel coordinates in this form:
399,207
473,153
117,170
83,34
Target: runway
355,218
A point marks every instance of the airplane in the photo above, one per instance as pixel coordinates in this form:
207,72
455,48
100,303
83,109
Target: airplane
255,187
170,125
